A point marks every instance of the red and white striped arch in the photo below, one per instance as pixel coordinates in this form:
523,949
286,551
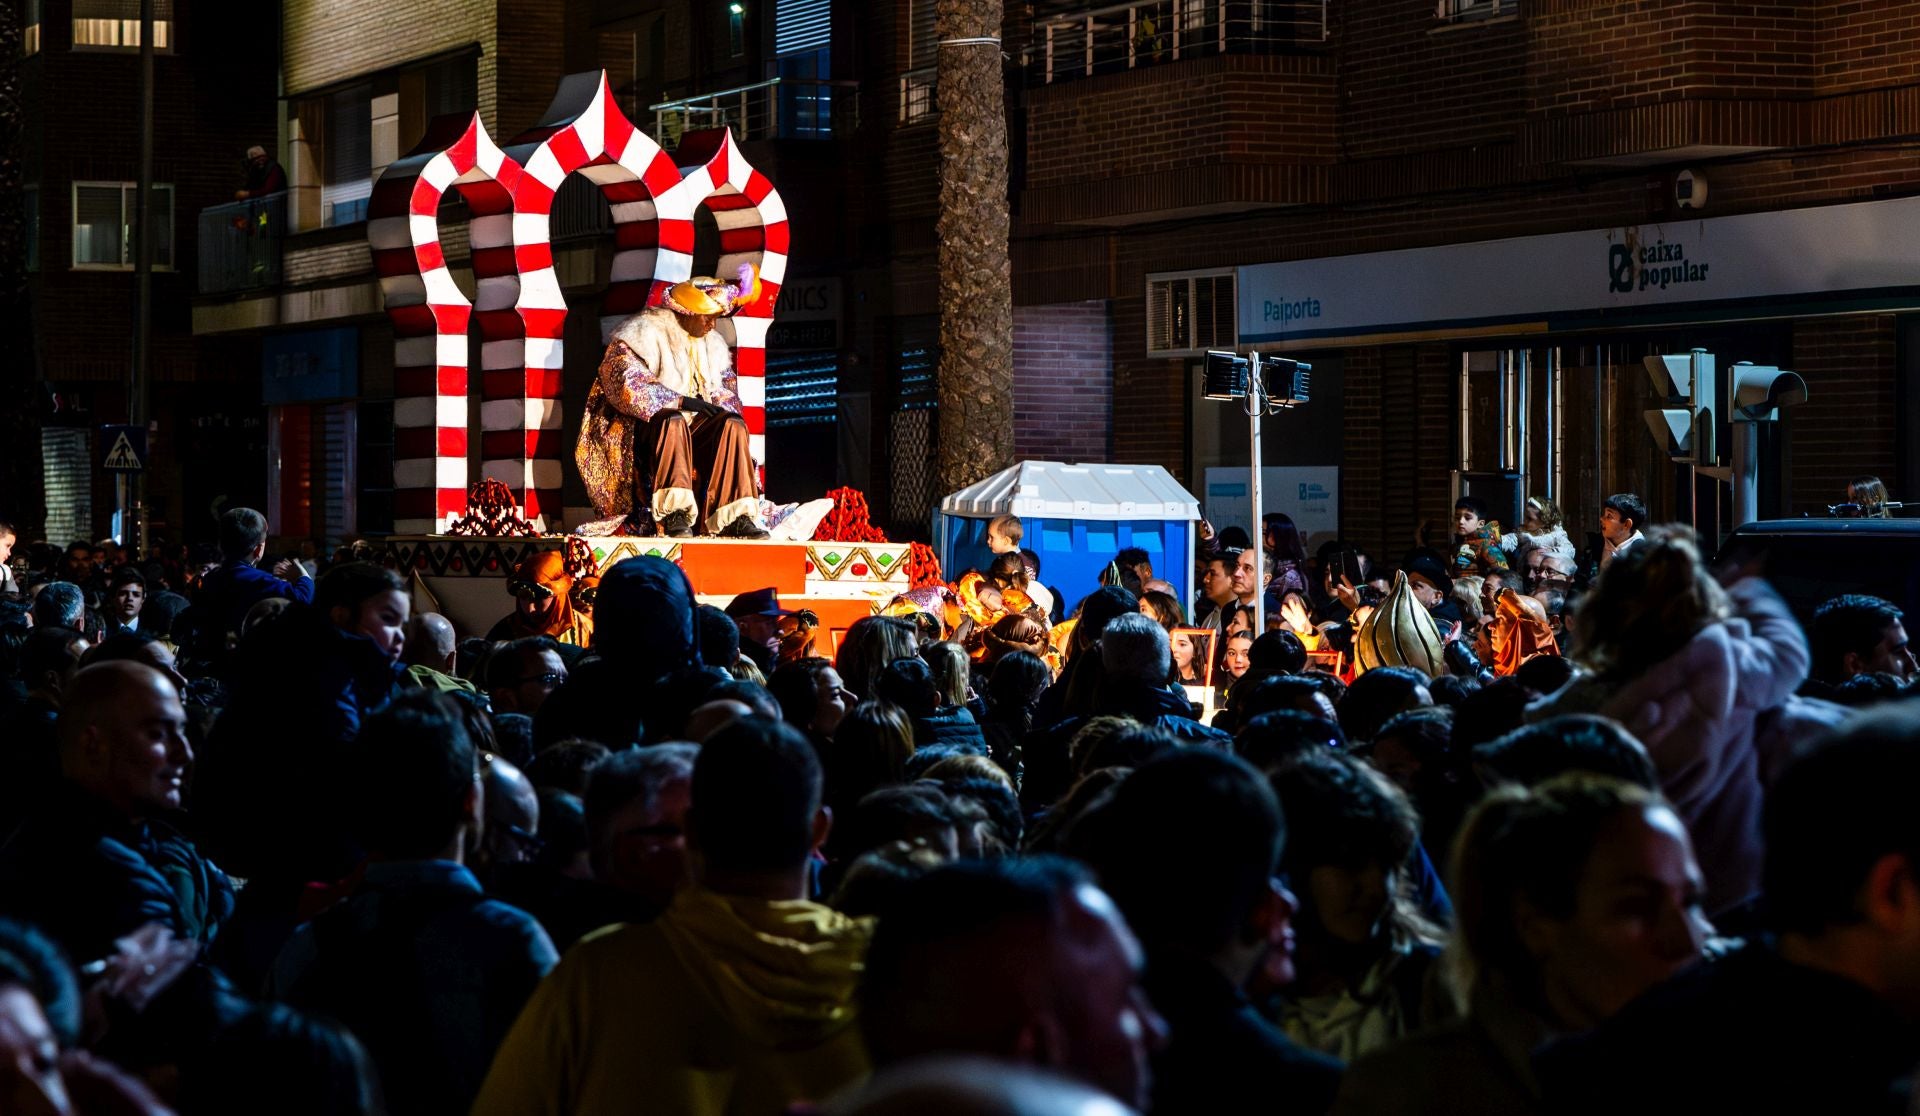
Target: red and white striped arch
519,308
753,229
429,312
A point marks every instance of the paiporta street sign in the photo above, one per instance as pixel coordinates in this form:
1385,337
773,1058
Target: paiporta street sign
125,448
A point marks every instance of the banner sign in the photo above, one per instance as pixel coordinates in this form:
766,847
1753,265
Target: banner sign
1747,266
1310,494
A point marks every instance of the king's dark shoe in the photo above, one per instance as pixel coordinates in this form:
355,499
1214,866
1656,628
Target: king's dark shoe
744,528
677,525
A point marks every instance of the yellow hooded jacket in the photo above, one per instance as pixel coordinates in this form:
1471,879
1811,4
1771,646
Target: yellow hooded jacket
724,1005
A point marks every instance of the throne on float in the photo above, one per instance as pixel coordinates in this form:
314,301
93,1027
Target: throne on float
519,314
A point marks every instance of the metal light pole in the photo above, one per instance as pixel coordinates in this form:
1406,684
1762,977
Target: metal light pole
133,485
1256,403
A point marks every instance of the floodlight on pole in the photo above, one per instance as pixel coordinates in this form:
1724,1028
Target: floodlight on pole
1227,376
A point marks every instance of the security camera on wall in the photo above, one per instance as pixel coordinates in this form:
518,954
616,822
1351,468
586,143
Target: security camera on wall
1690,190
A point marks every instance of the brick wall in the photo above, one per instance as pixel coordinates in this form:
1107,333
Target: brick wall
1865,43
1062,386
1149,395
1234,109
530,61
326,42
1397,452
1582,55
1408,84
1847,425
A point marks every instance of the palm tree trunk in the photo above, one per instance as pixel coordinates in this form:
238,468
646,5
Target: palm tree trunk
976,273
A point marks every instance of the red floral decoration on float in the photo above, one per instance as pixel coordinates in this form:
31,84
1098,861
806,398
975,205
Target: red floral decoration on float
492,512
849,520
923,566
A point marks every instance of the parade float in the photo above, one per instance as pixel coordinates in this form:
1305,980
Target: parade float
459,537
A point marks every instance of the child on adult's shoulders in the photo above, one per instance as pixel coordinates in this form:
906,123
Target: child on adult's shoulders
1477,539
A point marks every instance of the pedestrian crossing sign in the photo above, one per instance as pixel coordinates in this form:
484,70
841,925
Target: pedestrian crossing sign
126,448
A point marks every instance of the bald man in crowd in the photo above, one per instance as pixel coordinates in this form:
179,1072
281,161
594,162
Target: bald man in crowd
430,653
99,857
512,814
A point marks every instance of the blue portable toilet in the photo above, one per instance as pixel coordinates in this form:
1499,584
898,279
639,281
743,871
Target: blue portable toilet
1076,518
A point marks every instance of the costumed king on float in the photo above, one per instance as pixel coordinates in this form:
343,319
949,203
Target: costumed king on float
663,448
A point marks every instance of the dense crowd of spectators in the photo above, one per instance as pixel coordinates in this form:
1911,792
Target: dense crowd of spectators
273,841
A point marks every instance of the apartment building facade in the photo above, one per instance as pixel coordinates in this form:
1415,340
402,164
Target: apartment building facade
79,85
1437,203
1476,217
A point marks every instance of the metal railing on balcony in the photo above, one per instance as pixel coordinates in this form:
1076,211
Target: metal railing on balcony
239,245
580,211
1128,36
779,108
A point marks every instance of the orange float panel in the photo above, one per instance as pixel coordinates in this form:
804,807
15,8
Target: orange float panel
724,568
835,613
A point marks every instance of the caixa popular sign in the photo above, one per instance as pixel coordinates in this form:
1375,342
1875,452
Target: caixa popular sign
518,311
1815,260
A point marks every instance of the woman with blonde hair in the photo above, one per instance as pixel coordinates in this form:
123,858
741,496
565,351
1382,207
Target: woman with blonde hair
1541,947
1693,670
869,645
1541,526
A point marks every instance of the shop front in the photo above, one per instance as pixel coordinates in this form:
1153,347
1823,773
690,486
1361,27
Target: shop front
1517,364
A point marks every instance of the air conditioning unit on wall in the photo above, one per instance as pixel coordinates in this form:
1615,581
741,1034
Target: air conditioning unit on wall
1191,312
1449,10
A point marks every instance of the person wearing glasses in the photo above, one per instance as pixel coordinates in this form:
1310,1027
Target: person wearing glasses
523,674
544,601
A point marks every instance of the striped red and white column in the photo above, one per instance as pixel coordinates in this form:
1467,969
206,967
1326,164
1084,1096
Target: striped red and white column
429,312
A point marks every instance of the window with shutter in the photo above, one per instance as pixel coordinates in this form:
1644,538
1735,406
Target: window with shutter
115,24
347,159
801,25
1192,312
803,388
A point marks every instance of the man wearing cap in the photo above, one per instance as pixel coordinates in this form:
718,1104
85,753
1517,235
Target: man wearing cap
758,616
1429,582
771,635
663,430
1432,586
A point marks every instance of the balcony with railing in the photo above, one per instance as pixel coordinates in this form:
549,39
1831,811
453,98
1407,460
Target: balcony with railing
1120,37
776,109
240,244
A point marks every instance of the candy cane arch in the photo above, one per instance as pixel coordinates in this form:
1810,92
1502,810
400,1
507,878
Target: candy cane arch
519,308
753,229
430,314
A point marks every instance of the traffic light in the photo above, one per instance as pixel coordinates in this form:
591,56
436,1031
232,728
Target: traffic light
1756,392
1685,427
